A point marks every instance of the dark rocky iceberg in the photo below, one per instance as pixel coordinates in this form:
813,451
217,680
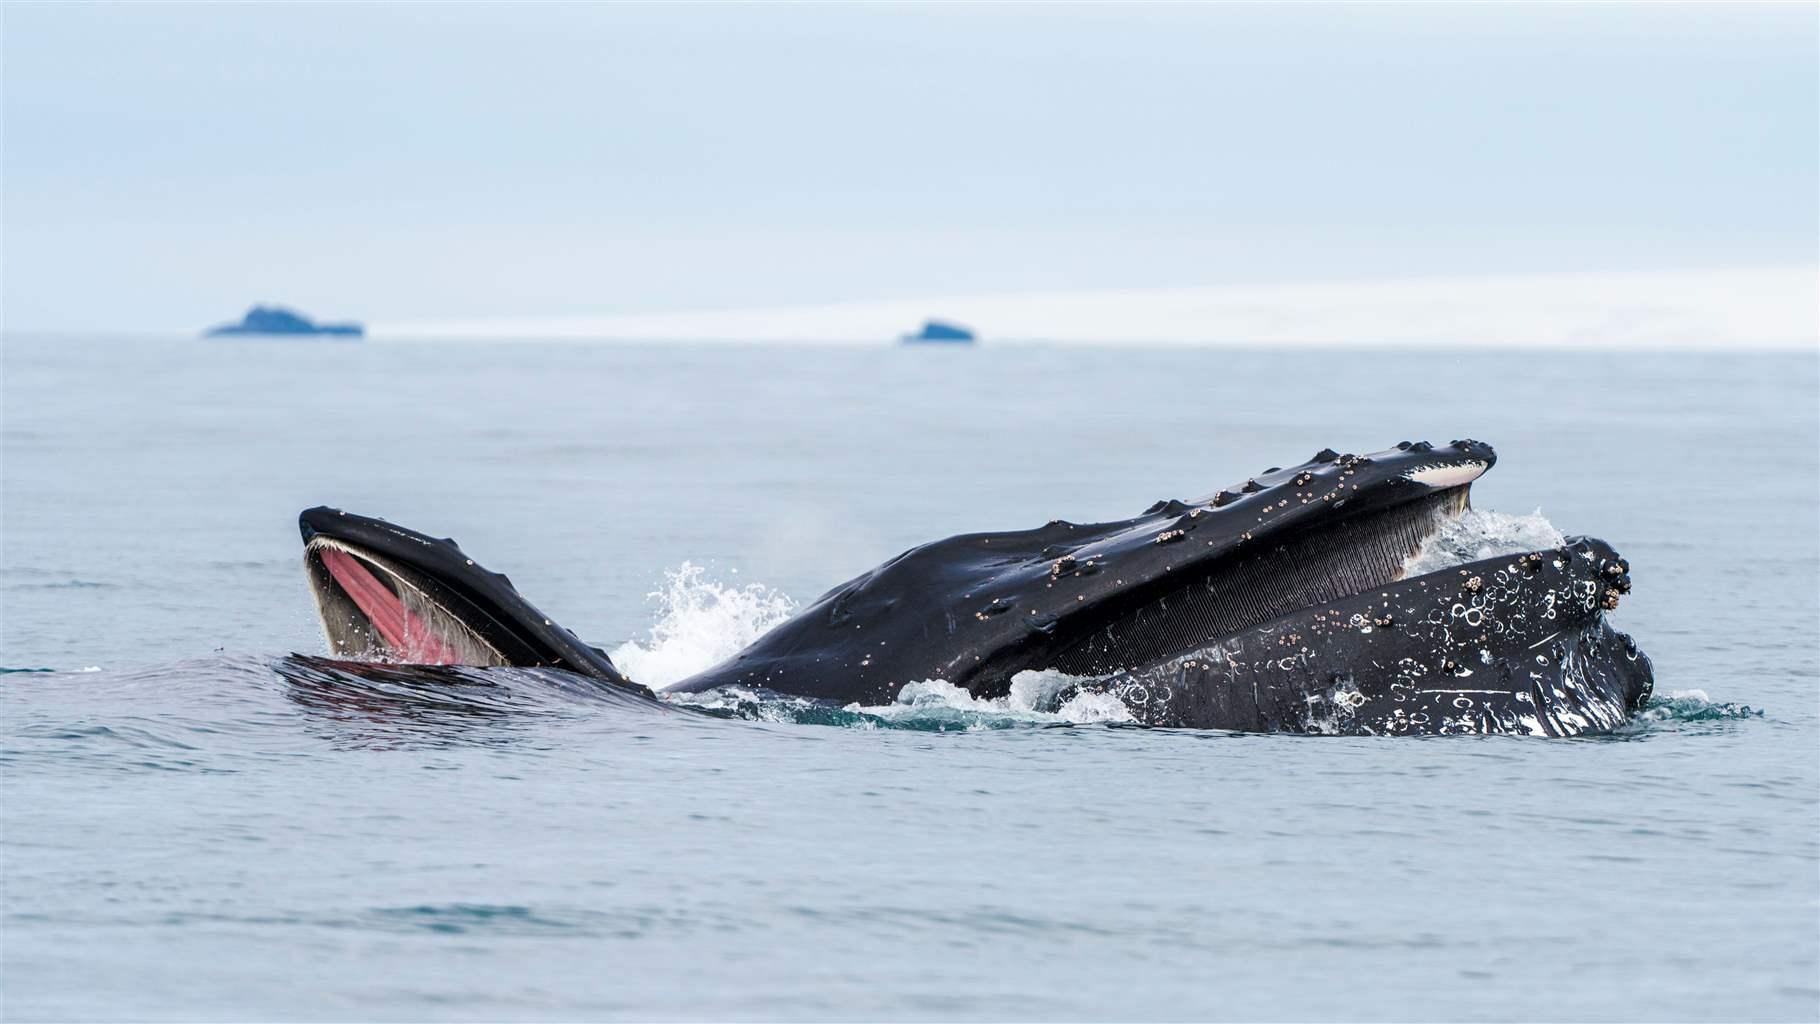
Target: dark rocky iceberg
278,320
938,330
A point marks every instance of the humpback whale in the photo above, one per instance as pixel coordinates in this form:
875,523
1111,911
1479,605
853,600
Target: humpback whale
1281,604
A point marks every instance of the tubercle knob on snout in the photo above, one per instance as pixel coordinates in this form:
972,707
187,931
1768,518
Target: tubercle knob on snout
1476,449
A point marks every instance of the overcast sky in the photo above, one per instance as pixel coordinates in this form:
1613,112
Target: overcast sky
165,166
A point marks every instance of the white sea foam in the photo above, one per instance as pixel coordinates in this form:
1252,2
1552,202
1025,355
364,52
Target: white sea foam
1694,706
1035,697
1480,533
700,622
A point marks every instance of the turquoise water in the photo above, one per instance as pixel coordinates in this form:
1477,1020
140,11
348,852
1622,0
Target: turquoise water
188,832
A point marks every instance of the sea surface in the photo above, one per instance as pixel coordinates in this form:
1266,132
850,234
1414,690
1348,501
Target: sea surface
186,833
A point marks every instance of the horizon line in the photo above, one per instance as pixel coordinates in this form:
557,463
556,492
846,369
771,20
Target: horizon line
1762,307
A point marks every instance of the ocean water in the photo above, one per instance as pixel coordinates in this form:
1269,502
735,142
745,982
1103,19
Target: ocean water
190,829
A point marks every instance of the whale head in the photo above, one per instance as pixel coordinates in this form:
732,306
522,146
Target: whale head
1094,598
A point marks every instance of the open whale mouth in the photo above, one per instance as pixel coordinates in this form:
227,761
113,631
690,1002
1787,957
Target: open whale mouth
386,593
375,609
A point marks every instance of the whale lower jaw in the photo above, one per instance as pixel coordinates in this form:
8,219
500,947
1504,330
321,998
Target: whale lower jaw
1512,645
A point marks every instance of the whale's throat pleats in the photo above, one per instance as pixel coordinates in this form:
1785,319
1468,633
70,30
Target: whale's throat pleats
1252,587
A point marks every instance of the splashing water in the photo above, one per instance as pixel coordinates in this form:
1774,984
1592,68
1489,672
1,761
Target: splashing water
1037,699
1481,533
700,622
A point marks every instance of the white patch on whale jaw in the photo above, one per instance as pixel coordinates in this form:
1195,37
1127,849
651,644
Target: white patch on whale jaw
1447,475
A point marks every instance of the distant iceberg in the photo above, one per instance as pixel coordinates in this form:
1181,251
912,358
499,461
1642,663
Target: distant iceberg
281,321
941,330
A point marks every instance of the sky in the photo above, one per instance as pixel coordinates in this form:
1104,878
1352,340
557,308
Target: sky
166,166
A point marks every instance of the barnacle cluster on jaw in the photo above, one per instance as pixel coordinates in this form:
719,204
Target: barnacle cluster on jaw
1617,574
1068,565
998,607
1613,572
1170,536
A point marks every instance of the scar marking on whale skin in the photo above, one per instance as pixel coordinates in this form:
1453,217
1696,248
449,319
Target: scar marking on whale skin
1545,639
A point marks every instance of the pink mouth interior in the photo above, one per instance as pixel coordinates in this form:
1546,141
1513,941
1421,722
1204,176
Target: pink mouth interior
407,636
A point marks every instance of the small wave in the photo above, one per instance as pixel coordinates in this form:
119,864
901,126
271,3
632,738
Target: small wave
756,704
441,693
1694,706
1480,533
457,918
700,623
37,670
1685,711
